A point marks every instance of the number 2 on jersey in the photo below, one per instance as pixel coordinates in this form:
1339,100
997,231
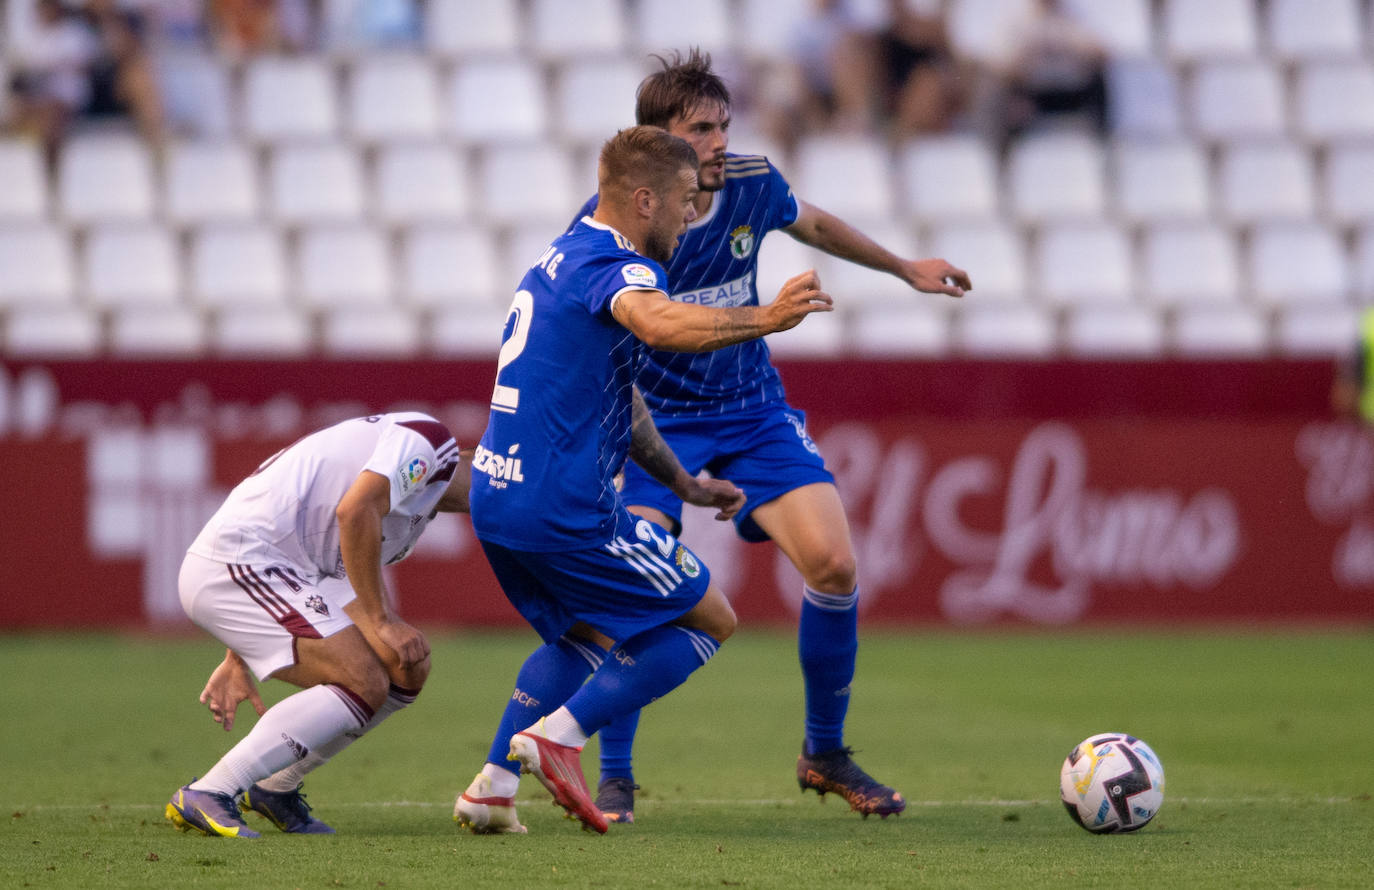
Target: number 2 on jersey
507,398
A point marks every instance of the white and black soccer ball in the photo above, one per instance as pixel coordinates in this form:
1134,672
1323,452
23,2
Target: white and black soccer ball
1112,782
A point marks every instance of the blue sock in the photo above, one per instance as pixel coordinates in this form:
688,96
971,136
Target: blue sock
551,674
617,747
645,667
828,642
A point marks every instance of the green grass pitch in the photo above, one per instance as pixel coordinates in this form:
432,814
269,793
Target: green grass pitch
1267,739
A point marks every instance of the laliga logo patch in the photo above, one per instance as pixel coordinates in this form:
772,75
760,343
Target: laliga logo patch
687,562
741,242
639,275
413,472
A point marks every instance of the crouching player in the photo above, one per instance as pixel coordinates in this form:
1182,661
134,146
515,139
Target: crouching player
288,575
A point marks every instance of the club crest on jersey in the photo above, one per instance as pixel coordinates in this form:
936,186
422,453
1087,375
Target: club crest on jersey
316,602
639,275
741,242
413,472
686,562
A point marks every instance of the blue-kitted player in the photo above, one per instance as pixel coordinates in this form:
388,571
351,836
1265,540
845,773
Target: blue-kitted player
587,574
725,412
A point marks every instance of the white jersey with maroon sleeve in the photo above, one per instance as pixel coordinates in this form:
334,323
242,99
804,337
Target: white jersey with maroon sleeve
285,511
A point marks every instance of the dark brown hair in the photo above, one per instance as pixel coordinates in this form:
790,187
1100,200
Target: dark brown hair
681,86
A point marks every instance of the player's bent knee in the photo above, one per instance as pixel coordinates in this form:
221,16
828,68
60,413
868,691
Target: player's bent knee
834,573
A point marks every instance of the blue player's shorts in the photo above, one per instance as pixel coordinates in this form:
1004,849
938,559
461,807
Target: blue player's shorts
621,589
766,452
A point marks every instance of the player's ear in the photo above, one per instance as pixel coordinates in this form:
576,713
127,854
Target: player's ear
645,200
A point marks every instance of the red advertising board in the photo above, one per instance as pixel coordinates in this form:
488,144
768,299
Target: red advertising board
979,493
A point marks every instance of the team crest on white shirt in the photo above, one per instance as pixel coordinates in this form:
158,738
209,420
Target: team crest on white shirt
316,602
741,242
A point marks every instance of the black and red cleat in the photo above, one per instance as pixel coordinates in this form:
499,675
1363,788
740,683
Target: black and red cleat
835,771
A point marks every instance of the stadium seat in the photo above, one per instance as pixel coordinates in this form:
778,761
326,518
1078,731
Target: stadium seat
984,30
1297,262
128,264
1232,100
1317,330
1364,266
210,181
421,182
36,265
1006,330
781,257
162,332
562,30
347,265
1311,29
467,332
391,97
461,28
366,332
1335,100
315,183
993,255
1191,262
237,265
451,265
52,332
595,98
1145,98
1123,26
1087,262
104,177
1110,331
947,178
848,176
261,332
821,335
197,94
1056,177
1348,183
662,24
497,100
1217,331
771,26
917,330
1161,180
1265,181
289,98
25,193
853,285
1193,31
528,183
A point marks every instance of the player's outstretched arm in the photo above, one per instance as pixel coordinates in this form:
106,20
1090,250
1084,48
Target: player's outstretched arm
688,327
648,449
229,685
827,232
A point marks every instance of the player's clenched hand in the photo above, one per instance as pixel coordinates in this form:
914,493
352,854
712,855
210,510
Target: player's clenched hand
408,643
799,297
719,493
936,276
229,684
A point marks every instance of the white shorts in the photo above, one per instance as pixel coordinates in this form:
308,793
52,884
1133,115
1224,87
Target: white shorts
260,611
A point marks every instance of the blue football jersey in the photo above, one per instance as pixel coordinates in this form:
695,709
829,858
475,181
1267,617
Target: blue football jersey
716,264
559,427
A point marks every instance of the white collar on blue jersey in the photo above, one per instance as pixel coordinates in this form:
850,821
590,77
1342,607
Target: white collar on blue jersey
601,225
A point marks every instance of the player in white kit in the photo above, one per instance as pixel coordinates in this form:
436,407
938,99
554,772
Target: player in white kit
288,575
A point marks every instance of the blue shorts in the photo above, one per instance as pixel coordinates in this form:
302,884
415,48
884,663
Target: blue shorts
766,452
621,589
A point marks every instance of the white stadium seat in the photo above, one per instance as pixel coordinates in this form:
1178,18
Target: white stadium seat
497,100
667,24
315,183
1128,330
105,177
1161,180
853,285
781,257
1145,98
1021,330
52,332
467,332
366,332
1195,30
421,182
1317,330
237,265
1189,263
528,183
459,28
845,175
821,335
1232,100
1217,331
1297,262
289,98
393,97
771,26
1364,265
450,265
563,30
162,332
346,265
1056,177
993,255
595,98
1266,181
1123,26
1335,100
984,30
918,330
197,94
1348,183
1302,29
36,265
261,332
1086,262
25,192
211,181
946,178
132,264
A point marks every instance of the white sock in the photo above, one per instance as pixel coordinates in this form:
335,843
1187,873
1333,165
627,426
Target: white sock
288,732
560,727
504,783
287,779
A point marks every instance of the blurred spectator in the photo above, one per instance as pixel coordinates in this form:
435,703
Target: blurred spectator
243,28
1056,73
374,24
919,72
50,75
122,80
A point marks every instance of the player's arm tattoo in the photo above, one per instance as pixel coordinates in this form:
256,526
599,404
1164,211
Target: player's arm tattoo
648,449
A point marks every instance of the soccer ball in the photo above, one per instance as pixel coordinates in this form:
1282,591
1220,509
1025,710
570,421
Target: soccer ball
1112,782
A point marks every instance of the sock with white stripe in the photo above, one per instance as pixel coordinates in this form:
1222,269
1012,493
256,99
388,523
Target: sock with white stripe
551,674
647,666
828,643
288,732
287,779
